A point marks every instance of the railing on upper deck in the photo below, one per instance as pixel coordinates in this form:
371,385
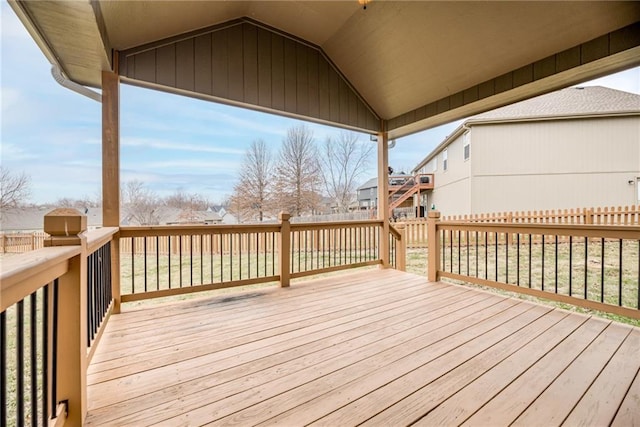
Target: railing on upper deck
592,266
54,304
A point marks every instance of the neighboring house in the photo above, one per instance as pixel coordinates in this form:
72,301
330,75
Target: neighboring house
577,147
367,194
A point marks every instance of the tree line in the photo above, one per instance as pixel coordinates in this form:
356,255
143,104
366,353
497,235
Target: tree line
299,175
295,179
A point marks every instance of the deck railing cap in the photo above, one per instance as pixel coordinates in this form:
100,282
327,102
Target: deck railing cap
284,216
65,226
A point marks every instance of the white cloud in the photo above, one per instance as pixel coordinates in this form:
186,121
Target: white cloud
177,146
13,153
188,164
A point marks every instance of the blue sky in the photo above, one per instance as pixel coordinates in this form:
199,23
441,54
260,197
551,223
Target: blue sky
167,141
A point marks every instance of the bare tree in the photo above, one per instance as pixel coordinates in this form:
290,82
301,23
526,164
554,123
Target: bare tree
15,189
251,197
344,159
189,203
298,177
81,203
140,203
183,200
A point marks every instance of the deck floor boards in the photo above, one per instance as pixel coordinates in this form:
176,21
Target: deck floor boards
379,347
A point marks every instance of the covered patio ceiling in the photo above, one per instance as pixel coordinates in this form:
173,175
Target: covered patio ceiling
396,66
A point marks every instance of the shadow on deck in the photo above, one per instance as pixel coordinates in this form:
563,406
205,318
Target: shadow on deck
377,347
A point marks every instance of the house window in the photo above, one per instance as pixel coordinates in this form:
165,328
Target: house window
434,163
444,160
466,145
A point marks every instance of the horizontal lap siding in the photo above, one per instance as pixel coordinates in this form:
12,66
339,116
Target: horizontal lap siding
248,64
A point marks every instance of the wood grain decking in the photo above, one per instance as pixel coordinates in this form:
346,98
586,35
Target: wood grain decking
378,347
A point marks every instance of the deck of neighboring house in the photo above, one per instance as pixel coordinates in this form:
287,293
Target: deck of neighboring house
376,347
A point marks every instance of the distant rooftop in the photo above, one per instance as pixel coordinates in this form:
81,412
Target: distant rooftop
574,101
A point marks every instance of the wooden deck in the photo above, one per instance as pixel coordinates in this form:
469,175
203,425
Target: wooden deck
378,347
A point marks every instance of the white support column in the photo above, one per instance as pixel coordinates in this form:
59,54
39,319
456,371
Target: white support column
383,195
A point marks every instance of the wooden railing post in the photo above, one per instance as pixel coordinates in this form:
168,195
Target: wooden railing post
401,248
66,228
433,239
285,249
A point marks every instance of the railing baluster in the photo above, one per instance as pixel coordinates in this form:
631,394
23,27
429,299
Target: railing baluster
157,263
221,258
602,270
530,261
45,345
496,243
451,251
34,359
570,265
20,363
542,268
506,257
620,273
586,266
486,255
3,369
476,242
54,347
518,259
180,257
459,270
556,265
202,259
133,268
467,243
144,253
191,260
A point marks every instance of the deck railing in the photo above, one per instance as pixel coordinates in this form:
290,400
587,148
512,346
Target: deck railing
159,261
592,266
54,303
416,229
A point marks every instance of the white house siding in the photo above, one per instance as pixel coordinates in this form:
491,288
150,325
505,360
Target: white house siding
554,164
451,193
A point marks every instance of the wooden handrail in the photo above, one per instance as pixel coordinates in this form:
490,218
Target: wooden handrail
21,275
98,238
334,224
579,230
186,230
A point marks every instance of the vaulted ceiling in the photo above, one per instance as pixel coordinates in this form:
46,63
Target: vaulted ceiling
399,65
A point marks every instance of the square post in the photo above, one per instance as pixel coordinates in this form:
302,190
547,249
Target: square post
433,244
285,249
111,171
67,227
401,248
383,196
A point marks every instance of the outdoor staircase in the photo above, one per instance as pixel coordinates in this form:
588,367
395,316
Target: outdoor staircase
411,186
